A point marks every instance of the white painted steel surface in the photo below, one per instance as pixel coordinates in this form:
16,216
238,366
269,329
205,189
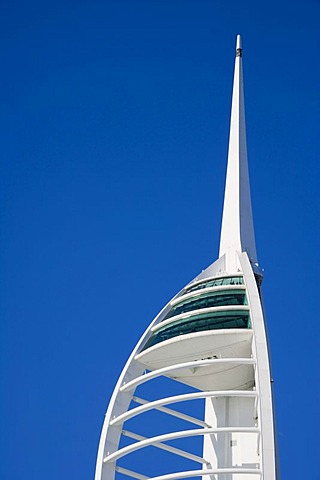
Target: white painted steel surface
197,349
237,233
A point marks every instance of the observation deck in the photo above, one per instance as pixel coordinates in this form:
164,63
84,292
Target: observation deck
209,320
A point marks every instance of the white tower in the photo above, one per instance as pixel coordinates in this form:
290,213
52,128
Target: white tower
210,342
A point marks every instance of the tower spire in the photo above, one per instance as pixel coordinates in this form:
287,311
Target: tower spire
237,233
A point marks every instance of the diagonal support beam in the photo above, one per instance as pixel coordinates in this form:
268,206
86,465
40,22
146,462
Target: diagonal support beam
173,436
173,413
130,473
168,448
180,398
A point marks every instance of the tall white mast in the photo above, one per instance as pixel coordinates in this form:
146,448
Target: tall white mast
237,233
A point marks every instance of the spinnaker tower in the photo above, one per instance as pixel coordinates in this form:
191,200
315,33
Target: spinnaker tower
199,377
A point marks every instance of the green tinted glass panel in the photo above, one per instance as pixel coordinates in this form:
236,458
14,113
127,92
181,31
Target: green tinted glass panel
217,282
200,323
216,299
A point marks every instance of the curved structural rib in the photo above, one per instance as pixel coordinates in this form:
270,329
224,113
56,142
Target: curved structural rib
207,345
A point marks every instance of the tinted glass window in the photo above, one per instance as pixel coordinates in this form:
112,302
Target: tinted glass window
217,299
217,282
199,323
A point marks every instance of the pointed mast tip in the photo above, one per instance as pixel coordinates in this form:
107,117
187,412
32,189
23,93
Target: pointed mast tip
239,46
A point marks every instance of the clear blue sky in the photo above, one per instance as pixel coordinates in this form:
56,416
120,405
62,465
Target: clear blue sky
114,129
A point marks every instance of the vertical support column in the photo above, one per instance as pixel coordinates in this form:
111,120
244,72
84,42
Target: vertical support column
262,372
